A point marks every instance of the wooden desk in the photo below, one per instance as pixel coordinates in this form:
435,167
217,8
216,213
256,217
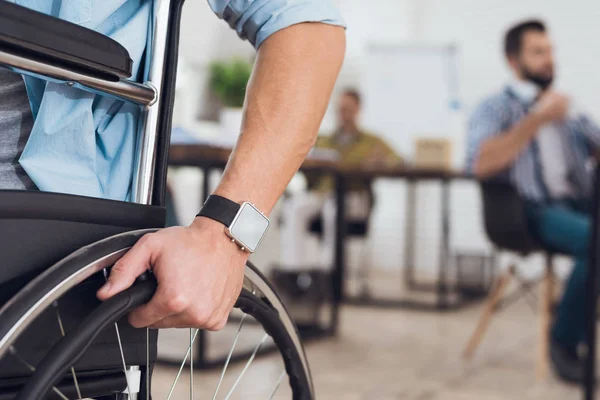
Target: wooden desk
204,156
217,157
412,176
209,157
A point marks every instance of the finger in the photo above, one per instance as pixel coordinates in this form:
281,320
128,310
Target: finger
196,317
192,317
148,314
134,263
161,306
185,321
220,316
173,321
217,322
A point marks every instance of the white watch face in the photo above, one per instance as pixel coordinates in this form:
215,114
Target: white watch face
249,227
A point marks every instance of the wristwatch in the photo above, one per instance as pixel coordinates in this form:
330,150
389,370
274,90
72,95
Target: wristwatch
244,223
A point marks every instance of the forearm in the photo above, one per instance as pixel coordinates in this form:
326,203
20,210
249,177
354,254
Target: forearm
500,152
287,96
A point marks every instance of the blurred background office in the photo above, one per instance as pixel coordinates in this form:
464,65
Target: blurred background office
419,271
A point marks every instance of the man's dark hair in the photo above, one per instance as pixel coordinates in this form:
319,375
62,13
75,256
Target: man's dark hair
513,42
355,94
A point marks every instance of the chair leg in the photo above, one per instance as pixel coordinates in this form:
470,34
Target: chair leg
542,366
484,321
363,272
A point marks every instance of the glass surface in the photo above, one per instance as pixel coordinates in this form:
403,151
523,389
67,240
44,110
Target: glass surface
249,227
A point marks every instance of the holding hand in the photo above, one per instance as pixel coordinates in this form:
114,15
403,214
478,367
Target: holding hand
552,106
199,272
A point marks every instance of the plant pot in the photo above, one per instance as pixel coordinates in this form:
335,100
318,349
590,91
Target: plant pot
231,124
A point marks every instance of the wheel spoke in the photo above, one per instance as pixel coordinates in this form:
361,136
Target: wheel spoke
62,332
252,357
191,364
30,367
120,346
123,360
235,340
147,363
277,385
187,353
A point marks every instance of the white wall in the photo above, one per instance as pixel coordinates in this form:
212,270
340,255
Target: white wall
204,38
368,21
477,26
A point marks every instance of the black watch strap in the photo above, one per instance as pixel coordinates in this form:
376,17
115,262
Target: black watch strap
219,209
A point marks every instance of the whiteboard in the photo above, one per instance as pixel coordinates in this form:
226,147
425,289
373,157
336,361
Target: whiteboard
410,91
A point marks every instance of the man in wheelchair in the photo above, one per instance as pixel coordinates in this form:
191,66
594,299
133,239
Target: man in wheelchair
74,124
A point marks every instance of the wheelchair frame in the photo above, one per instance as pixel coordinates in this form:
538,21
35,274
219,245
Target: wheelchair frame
155,96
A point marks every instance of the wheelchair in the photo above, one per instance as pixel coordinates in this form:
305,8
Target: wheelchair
57,341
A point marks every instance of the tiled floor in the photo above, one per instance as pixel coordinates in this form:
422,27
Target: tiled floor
393,354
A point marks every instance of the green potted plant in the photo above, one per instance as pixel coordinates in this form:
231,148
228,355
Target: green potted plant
228,81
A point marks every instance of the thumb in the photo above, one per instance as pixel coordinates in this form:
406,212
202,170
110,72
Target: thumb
125,271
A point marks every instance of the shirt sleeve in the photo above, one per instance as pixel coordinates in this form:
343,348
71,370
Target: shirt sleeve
487,121
256,20
590,130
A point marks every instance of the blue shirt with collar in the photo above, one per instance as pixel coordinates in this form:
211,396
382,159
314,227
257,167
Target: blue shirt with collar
83,143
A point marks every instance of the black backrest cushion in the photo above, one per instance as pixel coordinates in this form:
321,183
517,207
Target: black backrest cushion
504,217
37,229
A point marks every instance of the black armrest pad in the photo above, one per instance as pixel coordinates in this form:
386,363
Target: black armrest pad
47,39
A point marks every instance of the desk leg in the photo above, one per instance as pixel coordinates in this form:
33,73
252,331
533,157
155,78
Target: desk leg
442,288
339,257
409,235
589,381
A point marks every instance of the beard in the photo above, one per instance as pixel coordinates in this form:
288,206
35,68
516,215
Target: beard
543,81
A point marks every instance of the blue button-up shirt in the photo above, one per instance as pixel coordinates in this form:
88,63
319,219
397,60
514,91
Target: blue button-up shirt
83,143
500,112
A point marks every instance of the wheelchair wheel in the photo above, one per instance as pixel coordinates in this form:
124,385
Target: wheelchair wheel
58,342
